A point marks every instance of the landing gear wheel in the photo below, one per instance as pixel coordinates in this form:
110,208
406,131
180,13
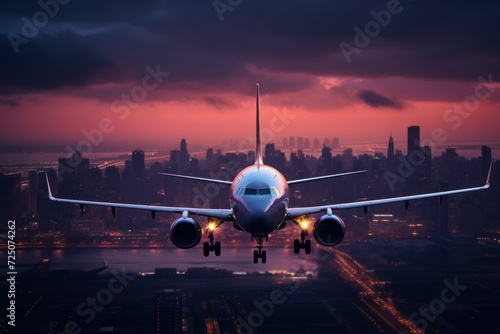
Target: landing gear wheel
302,243
259,253
296,246
211,246
308,247
206,249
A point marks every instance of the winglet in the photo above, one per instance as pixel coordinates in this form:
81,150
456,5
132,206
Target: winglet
48,188
258,149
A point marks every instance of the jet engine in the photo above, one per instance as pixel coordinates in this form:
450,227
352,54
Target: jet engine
329,230
185,232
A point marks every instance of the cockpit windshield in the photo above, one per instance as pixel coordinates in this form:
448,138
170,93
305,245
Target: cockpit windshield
261,191
250,191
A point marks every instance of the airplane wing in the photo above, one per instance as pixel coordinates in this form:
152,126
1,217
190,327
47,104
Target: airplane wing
222,214
323,177
199,178
293,213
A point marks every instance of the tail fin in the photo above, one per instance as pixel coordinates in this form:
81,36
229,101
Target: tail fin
258,149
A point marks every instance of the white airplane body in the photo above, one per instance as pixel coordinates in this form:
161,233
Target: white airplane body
259,205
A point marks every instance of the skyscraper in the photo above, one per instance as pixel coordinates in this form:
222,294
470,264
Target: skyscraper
10,196
413,139
138,165
183,157
183,146
485,160
32,191
390,149
300,143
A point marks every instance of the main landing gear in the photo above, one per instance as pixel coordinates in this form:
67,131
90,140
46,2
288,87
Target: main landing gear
211,246
303,243
259,253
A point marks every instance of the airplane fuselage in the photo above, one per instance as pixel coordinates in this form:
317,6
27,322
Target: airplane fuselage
259,199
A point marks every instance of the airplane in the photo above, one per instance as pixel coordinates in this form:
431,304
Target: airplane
259,205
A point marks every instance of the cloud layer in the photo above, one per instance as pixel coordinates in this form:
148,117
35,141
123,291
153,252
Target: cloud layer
90,42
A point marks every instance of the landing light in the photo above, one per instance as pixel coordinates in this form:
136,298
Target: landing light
211,226
304,224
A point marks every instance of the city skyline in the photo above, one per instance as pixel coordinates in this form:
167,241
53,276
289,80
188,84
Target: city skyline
137,179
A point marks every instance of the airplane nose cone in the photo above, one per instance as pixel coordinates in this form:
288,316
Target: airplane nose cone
258,208
254,217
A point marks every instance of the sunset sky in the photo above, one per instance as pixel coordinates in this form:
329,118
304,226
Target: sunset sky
189,68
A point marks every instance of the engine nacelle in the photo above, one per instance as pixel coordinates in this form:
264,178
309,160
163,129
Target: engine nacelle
329,230
185,232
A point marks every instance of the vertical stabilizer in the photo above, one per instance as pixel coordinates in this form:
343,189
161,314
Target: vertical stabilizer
258,148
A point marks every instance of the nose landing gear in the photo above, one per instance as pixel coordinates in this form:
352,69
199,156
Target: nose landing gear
259,253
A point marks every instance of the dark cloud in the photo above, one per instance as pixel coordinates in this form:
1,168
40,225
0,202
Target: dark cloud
52,62
259,41
376,100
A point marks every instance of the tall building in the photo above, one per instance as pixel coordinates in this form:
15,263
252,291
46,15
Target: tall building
10,196
273,157
300,143
112,183
269,150
169,311
210,159
138,164
485,160
72,175
77,166
183,157
183,146
413,139
32,191
390,149
325,162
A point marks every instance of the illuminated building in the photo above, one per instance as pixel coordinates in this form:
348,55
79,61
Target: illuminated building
169,311
387,225
87,227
